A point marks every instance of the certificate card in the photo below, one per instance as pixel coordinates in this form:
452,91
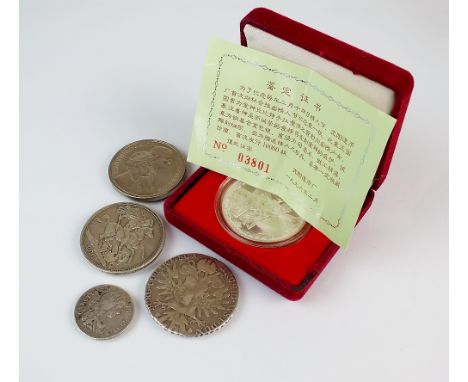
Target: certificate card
288,130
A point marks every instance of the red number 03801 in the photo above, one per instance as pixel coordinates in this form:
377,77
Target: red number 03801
253,162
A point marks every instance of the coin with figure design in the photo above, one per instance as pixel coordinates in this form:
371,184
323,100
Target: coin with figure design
191,294
147,169
104,311
257,217
122,238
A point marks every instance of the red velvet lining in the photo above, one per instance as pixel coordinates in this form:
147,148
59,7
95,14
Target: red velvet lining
288,270
289,263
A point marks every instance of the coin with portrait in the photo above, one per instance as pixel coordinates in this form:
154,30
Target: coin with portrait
191,294
257,217
122,238
147,169
104,311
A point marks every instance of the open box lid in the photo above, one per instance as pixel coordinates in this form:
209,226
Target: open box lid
379,82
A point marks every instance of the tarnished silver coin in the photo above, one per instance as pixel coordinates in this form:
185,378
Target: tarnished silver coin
122,238
104,311
191,294
147,169
257,217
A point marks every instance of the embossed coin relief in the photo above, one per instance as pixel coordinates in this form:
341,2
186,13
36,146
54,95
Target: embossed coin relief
104,311
191,294
122,238
257,217
147,169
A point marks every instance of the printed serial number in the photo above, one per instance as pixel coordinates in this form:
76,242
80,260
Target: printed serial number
253,162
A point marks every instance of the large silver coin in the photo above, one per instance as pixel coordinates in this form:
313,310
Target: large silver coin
104,311
122,238
257,217
147,169
191,294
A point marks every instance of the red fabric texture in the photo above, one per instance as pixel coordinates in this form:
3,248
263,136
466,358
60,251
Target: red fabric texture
289,263
289,270
292,269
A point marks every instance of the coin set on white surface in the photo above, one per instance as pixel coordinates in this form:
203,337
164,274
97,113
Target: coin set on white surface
190,294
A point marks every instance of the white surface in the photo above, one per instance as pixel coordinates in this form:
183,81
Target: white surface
99,74
374,93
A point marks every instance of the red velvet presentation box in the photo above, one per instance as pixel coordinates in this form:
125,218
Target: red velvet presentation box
292,269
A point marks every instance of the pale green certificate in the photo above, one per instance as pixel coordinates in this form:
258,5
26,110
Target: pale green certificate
285,129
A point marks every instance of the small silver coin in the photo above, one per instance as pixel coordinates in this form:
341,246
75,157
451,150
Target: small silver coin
147,170
104,311
192,294
122,238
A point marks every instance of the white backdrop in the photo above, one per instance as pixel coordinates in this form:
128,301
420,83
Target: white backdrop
96,75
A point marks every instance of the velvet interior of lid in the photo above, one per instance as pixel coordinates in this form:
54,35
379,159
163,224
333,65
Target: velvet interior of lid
379,82
370,91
